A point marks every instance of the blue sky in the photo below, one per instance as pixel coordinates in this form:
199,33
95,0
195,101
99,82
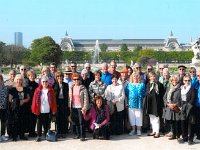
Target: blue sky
99,19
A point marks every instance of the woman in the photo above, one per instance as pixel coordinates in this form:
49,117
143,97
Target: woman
153,104
44,105
79,104
19,108
115,99
172,99
194,80
188,97
135,91
100,116
32,85
85,80
62,99
3,109
97,87
46,72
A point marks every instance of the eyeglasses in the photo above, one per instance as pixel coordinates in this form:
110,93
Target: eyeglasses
181,69
192,72
138,67
23,69
73,66
187,80
87,67
76,79
44,81
161,68
149,69
59,76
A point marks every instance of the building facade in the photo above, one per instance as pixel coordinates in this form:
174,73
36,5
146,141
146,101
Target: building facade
170,43
18,37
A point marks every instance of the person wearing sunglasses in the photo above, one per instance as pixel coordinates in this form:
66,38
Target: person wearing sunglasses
62,93
138,70
79,104
194,80
73,67
188,96
182,73
23,72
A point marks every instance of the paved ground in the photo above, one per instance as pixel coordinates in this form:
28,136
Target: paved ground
122,142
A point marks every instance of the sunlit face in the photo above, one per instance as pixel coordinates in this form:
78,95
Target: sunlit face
76,81
198,76
138,69
187,81
19,82
113,66
174,81
88,68
192,73
73,67
31,77
99,103
68,76
135,78
165,75
97,77
152,78
149,68
23,71
84,76
104,69
52,68
59,78
129,72
123,75
12,76
181,71
114,81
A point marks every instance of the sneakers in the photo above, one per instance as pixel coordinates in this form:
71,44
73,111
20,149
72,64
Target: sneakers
4,138
139,132
132,132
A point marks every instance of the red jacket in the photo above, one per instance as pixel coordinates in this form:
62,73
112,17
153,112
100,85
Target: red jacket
37,100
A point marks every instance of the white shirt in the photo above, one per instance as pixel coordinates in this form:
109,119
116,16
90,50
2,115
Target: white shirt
44,107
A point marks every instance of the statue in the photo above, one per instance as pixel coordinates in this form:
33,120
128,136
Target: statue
196,51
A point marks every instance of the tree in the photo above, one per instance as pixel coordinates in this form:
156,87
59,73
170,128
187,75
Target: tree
103,47
45,50
124,47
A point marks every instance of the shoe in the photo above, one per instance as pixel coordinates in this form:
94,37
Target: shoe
14,139
151,134
82,139
157,135
197,140
132,132
63,136
181,141
38,139
169,134
190,142
172,138
76,137
139,132
23,138
1,139
4,138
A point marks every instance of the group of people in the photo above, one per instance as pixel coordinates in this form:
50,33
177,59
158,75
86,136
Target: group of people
105,102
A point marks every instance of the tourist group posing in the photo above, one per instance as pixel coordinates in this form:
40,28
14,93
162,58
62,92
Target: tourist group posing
104,102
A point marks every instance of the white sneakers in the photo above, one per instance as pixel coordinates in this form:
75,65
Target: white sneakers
133,132
3,138
139,132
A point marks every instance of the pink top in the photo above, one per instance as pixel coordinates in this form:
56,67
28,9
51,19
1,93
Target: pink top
76,101
92,115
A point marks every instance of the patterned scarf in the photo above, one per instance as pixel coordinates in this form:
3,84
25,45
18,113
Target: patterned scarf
171,90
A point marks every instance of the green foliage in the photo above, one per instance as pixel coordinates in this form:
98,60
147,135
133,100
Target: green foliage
45,50
103,47
124,47
77,56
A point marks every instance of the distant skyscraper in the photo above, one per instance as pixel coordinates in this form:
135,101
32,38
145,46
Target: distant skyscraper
18,38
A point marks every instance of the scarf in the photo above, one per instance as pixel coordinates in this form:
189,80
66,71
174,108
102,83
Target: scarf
171,90
184,92
100,115
154,86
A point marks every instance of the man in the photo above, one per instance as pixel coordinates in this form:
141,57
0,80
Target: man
112,70
90,75
73,67
23,72
106,76
149,69
68,76
181,73
53,69
138,70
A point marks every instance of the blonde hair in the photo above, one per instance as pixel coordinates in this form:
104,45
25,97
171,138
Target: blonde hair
31,72
135,74
19,76
45,69
172,78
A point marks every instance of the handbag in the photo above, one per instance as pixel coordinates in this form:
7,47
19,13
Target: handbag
51,136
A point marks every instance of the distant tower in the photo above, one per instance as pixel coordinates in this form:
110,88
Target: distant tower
18,38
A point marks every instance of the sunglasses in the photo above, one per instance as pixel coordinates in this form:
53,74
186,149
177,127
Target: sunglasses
187,80
149,69
181,69
161,68
198,75
138,67
73,66
23,69
76,79
58,76
44,81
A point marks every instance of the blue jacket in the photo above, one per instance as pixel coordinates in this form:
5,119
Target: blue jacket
135,94
198,94
106,78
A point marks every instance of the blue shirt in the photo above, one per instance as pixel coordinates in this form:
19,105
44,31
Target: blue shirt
198,94
135,94
106,78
